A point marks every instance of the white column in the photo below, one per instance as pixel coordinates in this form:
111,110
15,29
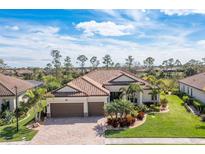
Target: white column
48,110
85,109
0,103
158,98
140,97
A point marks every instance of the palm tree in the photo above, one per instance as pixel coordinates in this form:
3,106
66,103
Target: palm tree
155,84
41,93
119,108
123,91
132,91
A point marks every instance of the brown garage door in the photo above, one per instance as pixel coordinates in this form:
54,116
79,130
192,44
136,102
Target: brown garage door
95,108
66,109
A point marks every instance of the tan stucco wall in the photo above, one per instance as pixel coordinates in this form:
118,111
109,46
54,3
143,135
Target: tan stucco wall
198,94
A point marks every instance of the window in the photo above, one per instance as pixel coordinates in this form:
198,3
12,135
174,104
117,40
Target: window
183,88
154,97
191,92
5,105
188,90
114,95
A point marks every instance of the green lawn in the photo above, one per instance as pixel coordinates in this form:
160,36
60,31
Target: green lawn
8,132
176,123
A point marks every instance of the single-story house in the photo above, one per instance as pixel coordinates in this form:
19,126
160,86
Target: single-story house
194,86
8,92
86,95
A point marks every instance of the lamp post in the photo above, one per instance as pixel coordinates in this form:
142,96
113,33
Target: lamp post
17,119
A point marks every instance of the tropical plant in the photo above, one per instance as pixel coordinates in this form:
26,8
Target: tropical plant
164,102
133,90
35,98
119,108
51,82
155,87
123,92
8,116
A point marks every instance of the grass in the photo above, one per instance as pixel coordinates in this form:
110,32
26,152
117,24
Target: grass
176,123
8,132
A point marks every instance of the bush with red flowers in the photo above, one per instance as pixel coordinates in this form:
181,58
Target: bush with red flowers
140,115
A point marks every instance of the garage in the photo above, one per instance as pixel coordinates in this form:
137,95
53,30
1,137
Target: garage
66,110
95,108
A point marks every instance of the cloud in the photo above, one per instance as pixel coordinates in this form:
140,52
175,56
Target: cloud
13,28
182,12
107,28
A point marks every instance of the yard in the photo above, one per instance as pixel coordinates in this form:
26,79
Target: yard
176,123
8,132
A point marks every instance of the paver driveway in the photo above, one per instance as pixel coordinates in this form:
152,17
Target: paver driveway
85,130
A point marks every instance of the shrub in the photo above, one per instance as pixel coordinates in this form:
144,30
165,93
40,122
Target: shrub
122,122
154,108
140,115
141,108
115,123
2,122
203,117
198,105
130,119
164,102
185,98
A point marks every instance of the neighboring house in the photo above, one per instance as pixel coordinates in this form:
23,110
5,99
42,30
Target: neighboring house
194,86
86,95
7,91
24,73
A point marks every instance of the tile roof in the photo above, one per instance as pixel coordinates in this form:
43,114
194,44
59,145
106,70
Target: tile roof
7,84
92,84
196,81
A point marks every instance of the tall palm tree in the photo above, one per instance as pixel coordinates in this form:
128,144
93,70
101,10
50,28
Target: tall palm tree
155,86
133,90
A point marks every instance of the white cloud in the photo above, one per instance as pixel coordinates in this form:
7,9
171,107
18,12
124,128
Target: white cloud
13,28
182,12
108,28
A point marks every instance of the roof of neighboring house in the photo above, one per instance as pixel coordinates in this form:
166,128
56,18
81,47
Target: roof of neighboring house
7,84
92,84
35,83
24,71
196,81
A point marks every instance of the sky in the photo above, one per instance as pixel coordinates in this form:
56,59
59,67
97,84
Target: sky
28,36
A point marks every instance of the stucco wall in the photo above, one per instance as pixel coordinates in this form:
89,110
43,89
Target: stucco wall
147,97
12,100
198,94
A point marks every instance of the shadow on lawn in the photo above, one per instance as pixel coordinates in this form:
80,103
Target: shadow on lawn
112,132
8,132
200,127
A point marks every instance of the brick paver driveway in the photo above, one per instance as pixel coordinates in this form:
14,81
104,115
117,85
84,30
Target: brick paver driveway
85,130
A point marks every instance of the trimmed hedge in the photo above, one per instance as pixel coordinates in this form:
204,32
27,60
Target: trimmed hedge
198,105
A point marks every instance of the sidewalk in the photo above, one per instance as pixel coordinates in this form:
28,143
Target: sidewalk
15,143
110,141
